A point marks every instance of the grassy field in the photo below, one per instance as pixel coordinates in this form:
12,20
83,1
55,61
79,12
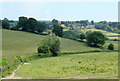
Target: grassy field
110,35
115,43
20,43
84,64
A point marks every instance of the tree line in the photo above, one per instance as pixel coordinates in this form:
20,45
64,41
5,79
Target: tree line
33,26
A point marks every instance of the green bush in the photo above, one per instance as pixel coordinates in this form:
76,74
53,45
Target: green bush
96,39
51,43
43,49
111,47
82,36
71,34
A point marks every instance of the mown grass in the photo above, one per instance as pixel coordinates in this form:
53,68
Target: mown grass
84,64
20,43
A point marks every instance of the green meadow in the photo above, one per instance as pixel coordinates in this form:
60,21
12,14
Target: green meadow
110,35
20,43
83,64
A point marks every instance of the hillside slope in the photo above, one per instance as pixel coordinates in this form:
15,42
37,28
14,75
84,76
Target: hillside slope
19,43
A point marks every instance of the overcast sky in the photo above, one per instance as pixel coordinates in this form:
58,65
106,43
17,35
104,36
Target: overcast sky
61,9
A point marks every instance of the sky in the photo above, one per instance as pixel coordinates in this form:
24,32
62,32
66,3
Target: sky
61,10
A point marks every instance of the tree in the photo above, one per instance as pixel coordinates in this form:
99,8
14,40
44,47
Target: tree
5,25
84,22
22,23
31,25
96,39
52,42
40,27
57,30
54,21
92,22
111,47
5,19
71,34
87,32
109,29
82,36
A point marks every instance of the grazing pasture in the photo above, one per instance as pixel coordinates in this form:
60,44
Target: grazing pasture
84,64
110,35
20,43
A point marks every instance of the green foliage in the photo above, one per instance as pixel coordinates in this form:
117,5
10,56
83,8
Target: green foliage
109,29
40,27
96,39
30,25
54,21
43,49
22,23
4,61
71,34
87,32
5,24
111,47
92,22
82,36
58,30
53,42
84,22
108,26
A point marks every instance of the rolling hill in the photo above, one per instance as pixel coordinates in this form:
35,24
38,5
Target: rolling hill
20,43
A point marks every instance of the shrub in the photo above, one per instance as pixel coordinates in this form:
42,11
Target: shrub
115,40
96,39
43,49
82,36
87,32
52,43
111,47
71,34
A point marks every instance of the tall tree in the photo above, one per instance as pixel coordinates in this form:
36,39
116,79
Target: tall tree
57,30
22,23
31,25
54,21
92,22
5,24
41,27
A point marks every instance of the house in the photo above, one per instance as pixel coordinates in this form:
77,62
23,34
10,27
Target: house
90,26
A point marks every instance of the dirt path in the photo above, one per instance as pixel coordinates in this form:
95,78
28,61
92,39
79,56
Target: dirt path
12,76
